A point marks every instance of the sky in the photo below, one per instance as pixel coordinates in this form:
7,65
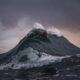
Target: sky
18,16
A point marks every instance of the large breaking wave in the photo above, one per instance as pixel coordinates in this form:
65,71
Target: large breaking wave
39,47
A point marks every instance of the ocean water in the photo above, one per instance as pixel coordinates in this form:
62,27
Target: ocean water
41,57
45,67
67,69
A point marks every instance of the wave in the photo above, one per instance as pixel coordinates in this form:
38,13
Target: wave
39,47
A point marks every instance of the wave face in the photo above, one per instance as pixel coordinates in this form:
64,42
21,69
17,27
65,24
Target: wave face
37,48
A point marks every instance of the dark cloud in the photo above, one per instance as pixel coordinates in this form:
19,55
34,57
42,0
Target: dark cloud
61,13
64,14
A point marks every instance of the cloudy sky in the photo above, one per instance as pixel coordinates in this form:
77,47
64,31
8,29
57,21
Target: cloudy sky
18,16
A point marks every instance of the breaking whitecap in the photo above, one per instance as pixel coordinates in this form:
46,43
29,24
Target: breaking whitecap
32,60
53,30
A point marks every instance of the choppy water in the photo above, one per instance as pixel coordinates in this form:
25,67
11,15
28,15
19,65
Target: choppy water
63,74
67,69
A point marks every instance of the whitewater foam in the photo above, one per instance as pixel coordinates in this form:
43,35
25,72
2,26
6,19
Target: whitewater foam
38,26
54,31
51,30
33,59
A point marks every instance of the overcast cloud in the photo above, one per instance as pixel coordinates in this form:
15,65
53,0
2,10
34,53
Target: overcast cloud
17,16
